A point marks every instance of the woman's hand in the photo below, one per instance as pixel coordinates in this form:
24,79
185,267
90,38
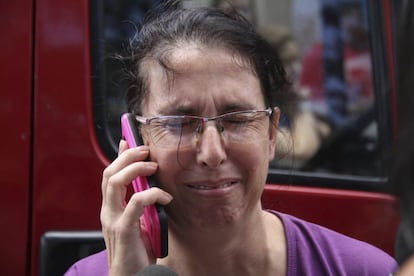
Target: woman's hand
127,246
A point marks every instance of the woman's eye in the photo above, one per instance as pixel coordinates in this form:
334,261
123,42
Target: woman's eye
189,123
238,119
171,123
179,123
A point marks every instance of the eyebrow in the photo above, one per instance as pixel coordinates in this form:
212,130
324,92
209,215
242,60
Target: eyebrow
179,110
189,110
237,107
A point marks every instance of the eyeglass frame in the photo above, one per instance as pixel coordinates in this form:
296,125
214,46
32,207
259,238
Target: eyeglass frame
202,120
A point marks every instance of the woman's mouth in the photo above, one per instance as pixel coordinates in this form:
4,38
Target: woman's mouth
212,186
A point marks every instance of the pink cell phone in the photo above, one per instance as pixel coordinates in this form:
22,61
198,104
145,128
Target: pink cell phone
154,217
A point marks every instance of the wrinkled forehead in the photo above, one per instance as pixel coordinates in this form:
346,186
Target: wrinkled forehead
187,61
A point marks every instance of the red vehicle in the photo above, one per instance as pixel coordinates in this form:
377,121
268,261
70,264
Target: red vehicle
60,120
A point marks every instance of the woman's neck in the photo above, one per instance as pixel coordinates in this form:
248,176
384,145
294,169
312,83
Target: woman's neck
254,246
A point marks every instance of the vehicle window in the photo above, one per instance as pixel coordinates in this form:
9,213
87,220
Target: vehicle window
325,46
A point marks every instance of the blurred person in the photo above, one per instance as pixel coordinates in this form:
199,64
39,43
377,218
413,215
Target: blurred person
301,135
337,71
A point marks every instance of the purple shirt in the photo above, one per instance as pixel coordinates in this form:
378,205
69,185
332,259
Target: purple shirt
311,250
316,250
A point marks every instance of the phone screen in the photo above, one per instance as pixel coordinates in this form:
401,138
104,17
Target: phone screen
154,217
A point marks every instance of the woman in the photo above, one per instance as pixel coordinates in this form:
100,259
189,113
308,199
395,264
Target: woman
207,90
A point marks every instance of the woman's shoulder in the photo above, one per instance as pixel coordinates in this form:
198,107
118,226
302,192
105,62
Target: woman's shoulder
314,249
95,264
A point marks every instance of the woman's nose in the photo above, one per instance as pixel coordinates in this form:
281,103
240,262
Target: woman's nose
210,147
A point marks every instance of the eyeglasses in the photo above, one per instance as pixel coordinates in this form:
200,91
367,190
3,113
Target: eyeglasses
183,130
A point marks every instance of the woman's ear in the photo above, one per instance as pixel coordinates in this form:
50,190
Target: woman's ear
273,129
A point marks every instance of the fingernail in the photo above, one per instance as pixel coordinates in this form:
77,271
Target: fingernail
168,197
151,165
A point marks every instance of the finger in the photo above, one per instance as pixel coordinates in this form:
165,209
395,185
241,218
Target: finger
129,227
139,201
126,157
123,145
117,185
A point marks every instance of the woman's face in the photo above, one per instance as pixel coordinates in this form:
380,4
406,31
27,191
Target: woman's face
215,182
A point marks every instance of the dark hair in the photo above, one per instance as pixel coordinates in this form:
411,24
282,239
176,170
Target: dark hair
212,28
403,161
